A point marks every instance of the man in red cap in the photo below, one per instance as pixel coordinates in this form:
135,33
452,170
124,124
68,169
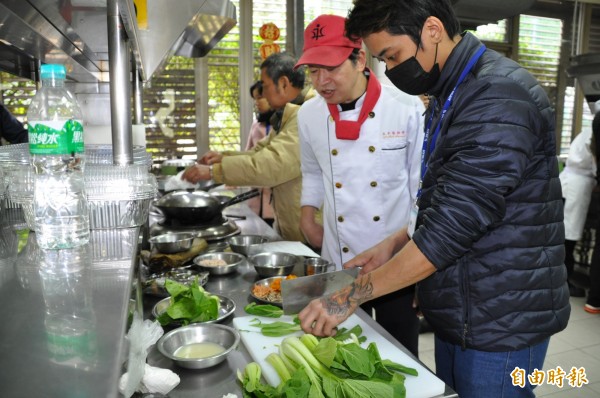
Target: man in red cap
360,158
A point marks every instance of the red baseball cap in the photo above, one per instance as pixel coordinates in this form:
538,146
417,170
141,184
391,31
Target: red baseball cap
325,43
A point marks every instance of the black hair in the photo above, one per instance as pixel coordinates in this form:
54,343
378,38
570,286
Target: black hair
256,86
353,57
282,64
399,17
596,124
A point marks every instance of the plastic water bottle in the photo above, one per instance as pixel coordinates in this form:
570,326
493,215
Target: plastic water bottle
70,321
56,146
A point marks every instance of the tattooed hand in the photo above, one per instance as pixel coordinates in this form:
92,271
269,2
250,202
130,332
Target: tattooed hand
322,316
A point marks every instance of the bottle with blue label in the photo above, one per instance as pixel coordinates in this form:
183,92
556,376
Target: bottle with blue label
57,154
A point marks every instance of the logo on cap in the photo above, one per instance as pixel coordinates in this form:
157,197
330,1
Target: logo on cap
317,32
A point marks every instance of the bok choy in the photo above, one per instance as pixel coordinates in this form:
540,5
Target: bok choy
314,367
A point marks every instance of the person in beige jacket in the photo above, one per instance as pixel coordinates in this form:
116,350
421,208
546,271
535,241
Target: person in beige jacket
275,161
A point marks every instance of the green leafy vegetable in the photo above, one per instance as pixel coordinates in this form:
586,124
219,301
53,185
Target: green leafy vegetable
189,304
276,329
357,359
267,310
399,368
344,334
325,351
310,367
251,383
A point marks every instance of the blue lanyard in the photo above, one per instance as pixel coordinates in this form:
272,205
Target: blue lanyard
424,152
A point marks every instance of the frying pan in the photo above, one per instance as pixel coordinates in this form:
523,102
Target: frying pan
204,185
197,207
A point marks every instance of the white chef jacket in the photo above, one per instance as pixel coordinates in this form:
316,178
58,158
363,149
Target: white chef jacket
578,180
366,186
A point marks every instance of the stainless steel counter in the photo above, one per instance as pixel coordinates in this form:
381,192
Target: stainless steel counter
64,316
221,379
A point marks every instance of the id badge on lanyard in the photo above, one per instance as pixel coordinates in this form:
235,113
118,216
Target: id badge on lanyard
414,211
412,220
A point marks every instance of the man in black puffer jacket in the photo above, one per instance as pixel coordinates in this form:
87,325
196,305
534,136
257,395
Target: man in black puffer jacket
486,243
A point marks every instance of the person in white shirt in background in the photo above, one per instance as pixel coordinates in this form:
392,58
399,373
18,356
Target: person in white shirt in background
578,180
360,146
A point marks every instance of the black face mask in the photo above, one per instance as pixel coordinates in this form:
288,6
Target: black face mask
410,77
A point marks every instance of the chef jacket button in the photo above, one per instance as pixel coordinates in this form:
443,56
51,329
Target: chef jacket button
371,148
341,218
338,184
371,115
373,184
376,218
345,249
334,152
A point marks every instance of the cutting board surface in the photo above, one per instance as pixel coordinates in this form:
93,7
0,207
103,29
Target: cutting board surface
425,385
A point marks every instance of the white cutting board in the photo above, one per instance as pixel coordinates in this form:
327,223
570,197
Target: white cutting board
425,385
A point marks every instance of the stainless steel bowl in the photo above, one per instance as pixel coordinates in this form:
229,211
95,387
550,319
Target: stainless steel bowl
225,336
226,308
172,242
317,265
232,262
273,263
243,243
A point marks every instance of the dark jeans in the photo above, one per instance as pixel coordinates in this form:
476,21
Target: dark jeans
569,256
478,374
594,292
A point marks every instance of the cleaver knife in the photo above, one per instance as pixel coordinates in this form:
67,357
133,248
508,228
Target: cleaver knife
297,293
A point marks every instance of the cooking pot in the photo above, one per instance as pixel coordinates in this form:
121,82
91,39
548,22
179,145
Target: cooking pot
197,207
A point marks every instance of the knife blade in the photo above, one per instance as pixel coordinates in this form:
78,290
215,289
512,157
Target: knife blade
297,293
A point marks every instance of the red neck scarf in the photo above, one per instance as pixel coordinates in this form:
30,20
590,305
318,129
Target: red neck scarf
349,129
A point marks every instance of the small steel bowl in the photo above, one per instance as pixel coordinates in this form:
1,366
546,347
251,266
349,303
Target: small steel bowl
273,263
243,243
225,336
175,242
317,265
233,261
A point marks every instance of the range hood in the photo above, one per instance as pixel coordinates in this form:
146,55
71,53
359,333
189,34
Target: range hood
192,30
74,33
586,69
473,13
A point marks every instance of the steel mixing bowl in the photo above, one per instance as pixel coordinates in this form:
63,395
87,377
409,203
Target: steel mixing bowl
227,337
243,243
232,262
273,263
173,242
